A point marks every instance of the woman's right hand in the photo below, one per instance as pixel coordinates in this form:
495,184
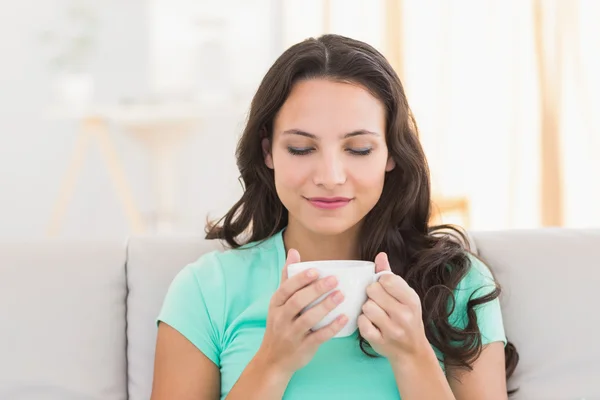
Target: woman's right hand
288,343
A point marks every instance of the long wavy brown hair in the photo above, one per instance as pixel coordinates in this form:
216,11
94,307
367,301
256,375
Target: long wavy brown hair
427,257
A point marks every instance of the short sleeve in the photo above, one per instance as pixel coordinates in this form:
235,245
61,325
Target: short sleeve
194,305
477,283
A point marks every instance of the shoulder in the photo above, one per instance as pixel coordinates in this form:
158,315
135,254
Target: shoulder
233,268
479,291
478,276
263,254
255,255
222,281
476,283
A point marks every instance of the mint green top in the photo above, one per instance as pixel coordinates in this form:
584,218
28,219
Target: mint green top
219,303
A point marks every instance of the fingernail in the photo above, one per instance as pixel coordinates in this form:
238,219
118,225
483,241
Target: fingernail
338,297
342,319
311,273
330,281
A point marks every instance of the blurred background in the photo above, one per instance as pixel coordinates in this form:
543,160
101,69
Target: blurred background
121,117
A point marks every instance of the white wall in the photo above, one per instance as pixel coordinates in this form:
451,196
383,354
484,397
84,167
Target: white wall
154,47
145,48
33,150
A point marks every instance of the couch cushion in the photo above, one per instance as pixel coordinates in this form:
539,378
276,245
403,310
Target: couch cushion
550,301
152,263
62,319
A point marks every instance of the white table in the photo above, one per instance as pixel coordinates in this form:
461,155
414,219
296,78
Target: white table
160,128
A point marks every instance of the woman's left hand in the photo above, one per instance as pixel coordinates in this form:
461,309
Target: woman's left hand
392,321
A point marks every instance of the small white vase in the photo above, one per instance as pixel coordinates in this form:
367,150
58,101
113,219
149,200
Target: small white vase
75,90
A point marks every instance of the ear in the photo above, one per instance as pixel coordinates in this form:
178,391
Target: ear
266,148
391,164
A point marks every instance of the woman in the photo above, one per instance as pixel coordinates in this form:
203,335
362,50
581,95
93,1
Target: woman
332,169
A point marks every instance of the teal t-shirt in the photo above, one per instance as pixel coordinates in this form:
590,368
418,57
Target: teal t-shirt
220,302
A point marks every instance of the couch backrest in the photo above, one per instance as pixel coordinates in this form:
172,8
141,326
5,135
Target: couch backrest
62,321
76,322
152,262
551,308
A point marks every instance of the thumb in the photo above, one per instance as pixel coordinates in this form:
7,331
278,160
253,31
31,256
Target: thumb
292,257
382,263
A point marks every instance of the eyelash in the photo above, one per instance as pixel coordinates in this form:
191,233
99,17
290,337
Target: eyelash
305,151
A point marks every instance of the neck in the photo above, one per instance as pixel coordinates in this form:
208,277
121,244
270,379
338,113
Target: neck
315,247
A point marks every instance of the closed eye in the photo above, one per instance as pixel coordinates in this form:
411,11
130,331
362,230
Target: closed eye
300,151
360,152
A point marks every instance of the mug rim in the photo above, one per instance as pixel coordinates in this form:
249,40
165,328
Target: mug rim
332,264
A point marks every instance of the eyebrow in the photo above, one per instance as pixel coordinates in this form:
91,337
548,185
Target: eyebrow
313,136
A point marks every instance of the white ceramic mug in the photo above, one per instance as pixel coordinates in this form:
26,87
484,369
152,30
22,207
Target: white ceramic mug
353,279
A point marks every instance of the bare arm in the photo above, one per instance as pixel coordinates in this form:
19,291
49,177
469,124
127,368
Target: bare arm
288,344
423,378
181,371
392,323
487,380
260,380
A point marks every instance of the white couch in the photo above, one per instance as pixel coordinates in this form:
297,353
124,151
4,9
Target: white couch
77,318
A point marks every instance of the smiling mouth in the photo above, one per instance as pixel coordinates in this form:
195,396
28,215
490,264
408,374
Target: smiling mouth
329,203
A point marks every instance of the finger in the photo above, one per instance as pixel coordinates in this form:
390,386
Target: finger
400,290
382,263
382,298
397,312
368,330
322,335
311,317
306,295
288,285
292,257
378,317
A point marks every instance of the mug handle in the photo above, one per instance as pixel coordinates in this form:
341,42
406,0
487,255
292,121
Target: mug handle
380,274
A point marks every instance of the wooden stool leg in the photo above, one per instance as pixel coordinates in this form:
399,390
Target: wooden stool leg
109,153
70,180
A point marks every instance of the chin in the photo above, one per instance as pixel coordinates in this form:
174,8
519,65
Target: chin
330,226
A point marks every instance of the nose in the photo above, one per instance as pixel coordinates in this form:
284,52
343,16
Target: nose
329,171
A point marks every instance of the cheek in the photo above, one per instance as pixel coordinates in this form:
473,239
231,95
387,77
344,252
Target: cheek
368,176
289,173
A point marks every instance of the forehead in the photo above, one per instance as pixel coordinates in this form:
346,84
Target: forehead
325,107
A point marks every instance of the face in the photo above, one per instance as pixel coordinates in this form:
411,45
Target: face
329,155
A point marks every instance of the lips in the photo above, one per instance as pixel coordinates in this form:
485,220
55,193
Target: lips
329,203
